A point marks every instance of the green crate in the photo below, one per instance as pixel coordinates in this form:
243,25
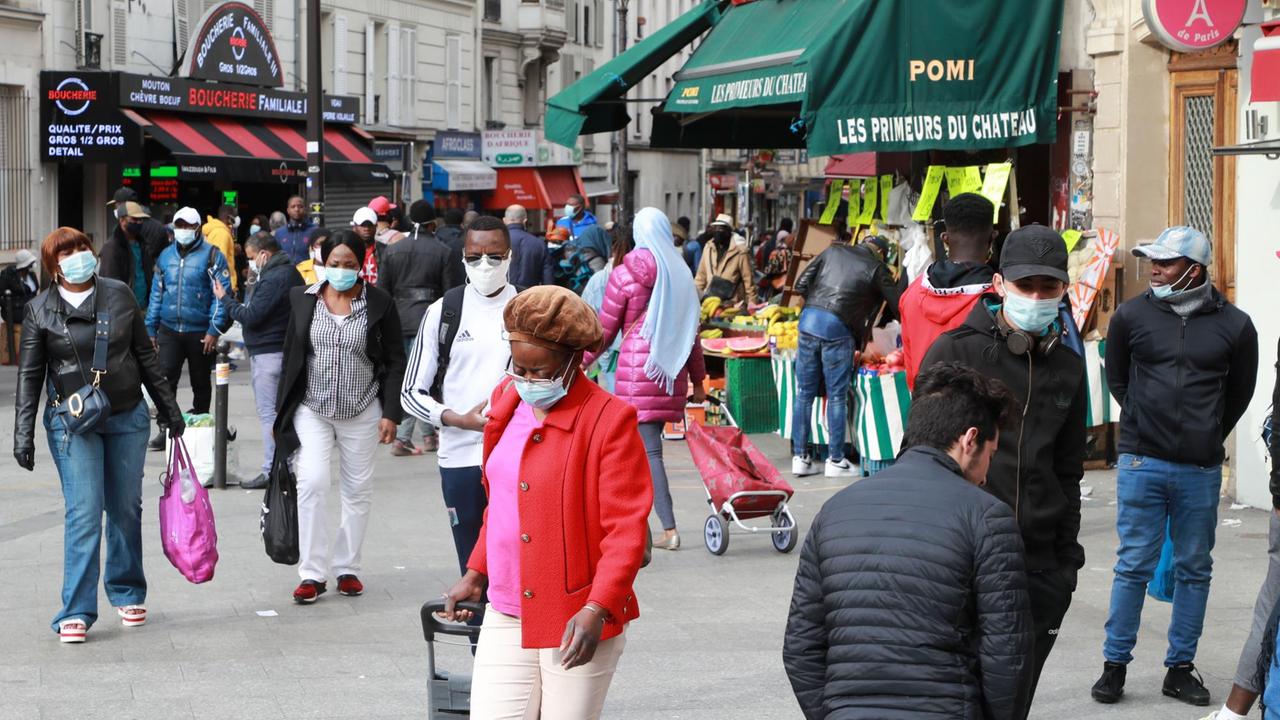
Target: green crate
753,399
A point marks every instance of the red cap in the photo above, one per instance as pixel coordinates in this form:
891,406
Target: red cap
381,205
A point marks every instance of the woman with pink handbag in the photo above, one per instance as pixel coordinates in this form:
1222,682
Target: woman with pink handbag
85,342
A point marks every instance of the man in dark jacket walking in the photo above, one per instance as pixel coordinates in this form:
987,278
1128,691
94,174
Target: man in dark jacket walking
264,325
416,272
1014,335
528,253
844,289
1182,362
294,237
122,257
152,233
911,595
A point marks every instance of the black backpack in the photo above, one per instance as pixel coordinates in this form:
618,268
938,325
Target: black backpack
450,319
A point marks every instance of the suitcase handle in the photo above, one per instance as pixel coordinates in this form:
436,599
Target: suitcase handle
433,624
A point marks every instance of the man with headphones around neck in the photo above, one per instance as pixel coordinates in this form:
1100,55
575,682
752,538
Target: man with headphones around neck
1013,334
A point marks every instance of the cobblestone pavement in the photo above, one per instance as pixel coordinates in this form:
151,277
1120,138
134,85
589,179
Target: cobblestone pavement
707,645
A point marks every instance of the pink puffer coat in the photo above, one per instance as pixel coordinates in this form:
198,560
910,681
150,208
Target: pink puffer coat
626,298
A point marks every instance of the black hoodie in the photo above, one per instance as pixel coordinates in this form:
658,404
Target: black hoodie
1040,459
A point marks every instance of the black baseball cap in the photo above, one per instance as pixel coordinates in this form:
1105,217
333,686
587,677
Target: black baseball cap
124,194
1034,250
422,212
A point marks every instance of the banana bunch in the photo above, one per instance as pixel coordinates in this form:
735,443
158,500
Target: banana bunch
712,334
709,307
771,313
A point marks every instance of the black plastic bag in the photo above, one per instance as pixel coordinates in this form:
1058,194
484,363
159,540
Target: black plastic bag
280,513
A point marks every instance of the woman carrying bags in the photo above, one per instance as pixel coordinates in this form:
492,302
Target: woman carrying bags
651,301
340,389
564,533
100,462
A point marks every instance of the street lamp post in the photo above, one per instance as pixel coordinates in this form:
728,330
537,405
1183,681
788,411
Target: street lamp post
315,117
624,170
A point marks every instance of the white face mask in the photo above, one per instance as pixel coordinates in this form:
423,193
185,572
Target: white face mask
184,236
570,211
488,279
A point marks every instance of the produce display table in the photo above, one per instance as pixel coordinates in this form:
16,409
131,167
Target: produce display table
883,404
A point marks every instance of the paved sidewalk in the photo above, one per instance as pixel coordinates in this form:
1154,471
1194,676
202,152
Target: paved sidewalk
707,645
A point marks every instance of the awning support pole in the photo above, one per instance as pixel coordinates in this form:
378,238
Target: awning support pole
315,118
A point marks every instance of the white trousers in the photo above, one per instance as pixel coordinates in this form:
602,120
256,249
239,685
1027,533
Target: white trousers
356,439
513,683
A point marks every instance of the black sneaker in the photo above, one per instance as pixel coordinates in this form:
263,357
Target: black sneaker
157,442
1110,686
1184,683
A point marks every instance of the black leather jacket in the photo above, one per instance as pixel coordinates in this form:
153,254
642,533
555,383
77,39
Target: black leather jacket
46,353
417,271
851,282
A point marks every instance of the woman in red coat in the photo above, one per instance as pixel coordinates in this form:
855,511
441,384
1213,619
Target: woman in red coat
564,534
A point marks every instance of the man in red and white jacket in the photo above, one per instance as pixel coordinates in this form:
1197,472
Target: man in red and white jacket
941,297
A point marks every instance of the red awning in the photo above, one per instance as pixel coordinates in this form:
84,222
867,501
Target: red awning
543,188
853,165
216,140
1265,78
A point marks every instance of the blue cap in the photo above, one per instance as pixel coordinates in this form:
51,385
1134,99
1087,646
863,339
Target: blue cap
1179,241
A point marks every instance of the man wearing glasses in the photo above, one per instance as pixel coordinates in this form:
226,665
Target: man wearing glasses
459,357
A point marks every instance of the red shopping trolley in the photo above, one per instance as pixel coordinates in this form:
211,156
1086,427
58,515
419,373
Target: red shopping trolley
741,484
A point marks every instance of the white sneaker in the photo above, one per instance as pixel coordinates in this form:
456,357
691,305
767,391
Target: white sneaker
801,466
843,468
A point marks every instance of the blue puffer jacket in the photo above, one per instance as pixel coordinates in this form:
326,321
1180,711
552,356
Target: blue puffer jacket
182,292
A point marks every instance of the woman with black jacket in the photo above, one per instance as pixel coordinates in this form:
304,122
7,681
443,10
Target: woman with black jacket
101,468
343,367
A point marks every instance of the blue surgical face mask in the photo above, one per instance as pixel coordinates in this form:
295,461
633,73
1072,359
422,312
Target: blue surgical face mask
541,394
342,279
255,229
1029,314
79,267
184,236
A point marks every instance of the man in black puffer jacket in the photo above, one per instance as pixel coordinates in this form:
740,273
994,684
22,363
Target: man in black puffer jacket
911,596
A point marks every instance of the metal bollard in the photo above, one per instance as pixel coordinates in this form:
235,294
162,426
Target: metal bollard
222,375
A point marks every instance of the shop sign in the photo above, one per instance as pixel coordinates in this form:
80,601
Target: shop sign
181,95
509,148
231,43
452,144
550,153
394,155
79,120
724,181
1192,25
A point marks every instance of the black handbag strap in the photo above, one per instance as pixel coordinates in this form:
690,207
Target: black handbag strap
101,335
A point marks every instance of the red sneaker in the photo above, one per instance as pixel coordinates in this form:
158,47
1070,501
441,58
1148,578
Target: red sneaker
308,591
350,586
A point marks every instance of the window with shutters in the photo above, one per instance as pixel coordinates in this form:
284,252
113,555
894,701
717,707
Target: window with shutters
15,169
490,101
408,76
339,45
574,17
367,62
393,72
588,67
453,78
182,22
599,15
266,9
493,10
119,35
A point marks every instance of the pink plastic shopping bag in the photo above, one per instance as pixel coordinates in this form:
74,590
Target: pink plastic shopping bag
187,531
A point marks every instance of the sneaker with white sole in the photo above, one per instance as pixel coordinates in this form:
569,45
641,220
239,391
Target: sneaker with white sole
801,466
840,468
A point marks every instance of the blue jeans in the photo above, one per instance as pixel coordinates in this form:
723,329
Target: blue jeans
1149,493
821,361
465,501
404,433
266,383
101,472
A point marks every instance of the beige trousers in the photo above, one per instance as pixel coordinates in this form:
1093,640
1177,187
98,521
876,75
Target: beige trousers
514,683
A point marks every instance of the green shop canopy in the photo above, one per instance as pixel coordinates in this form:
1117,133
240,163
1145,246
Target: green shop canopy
579,109
846,76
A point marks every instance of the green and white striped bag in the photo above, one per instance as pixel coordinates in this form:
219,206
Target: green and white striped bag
883,404
784,379
1103,407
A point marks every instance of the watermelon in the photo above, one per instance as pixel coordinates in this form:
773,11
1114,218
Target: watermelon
748,343
715,345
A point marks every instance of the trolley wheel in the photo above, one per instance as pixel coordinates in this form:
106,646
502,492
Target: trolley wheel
784,541
715,533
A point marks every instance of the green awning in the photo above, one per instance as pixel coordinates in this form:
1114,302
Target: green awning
577,110
846,76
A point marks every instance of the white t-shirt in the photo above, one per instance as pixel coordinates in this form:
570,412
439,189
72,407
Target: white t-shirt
477,362
74,299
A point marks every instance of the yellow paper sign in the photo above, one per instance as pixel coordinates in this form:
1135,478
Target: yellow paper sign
833,203
972,179
929,194
994,184
886,189
955,181
869,203
855,198
1071,238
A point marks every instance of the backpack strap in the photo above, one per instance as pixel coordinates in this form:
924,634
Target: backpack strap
450,319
